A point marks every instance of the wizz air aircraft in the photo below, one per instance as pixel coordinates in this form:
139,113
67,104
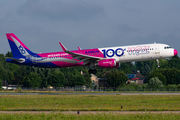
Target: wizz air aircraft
108,57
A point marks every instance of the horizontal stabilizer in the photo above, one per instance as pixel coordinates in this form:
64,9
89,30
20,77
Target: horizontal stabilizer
21,60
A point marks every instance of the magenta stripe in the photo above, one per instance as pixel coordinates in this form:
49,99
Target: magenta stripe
14,36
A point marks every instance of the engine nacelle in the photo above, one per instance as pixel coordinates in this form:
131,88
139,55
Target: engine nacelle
109,63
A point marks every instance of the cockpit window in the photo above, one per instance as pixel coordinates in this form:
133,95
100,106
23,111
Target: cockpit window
167,47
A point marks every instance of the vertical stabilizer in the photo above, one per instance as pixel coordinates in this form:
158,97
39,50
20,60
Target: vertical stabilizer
17,47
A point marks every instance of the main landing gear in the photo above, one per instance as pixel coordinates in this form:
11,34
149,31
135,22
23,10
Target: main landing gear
92,71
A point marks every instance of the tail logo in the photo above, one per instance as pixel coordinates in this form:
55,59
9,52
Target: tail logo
22,50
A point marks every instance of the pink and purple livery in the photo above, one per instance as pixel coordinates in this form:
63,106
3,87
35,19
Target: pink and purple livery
108,57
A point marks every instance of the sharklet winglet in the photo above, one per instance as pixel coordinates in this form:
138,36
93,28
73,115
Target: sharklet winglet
79,48
62,46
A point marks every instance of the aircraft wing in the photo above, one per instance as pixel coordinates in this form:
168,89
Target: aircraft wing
83,58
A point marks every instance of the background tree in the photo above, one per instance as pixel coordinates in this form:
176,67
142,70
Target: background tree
116,78
163,63
3,68
0,83
128,67
147,70
87,77
70,79
32,80
129,87
79,80
45,75
155,83
171,87
9,54
11,78
3,73
159,75
145,67
19,74
172,75
57,79
174,62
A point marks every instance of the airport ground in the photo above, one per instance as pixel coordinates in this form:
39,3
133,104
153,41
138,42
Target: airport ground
106,105
98,116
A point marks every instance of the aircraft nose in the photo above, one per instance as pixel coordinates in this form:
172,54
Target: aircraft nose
175,52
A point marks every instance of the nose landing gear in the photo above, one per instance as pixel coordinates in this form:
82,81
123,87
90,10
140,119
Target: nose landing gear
157,62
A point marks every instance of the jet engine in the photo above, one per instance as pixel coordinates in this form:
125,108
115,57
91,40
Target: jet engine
108,63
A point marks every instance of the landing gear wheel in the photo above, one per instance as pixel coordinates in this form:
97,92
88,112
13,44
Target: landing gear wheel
92,71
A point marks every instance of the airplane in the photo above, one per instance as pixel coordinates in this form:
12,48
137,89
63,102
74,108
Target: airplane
108,57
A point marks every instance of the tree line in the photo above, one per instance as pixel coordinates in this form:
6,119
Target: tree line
34,77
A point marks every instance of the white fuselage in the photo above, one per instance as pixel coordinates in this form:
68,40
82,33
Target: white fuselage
138,52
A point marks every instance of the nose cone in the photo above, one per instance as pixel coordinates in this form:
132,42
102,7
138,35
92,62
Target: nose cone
175,52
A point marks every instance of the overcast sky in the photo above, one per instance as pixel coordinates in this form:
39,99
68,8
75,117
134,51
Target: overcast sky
42,24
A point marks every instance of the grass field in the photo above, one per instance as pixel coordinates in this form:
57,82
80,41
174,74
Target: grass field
60,116
89,102
36,91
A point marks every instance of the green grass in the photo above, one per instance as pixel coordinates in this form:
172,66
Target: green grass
35,91
89,102
59,116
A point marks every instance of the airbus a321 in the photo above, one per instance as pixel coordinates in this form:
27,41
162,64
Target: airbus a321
109,57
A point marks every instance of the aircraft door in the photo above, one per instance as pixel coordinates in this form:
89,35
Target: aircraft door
157,50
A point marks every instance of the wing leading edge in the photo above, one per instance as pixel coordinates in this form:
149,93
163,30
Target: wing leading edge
81,57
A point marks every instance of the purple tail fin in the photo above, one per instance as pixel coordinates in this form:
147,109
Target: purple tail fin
17,47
